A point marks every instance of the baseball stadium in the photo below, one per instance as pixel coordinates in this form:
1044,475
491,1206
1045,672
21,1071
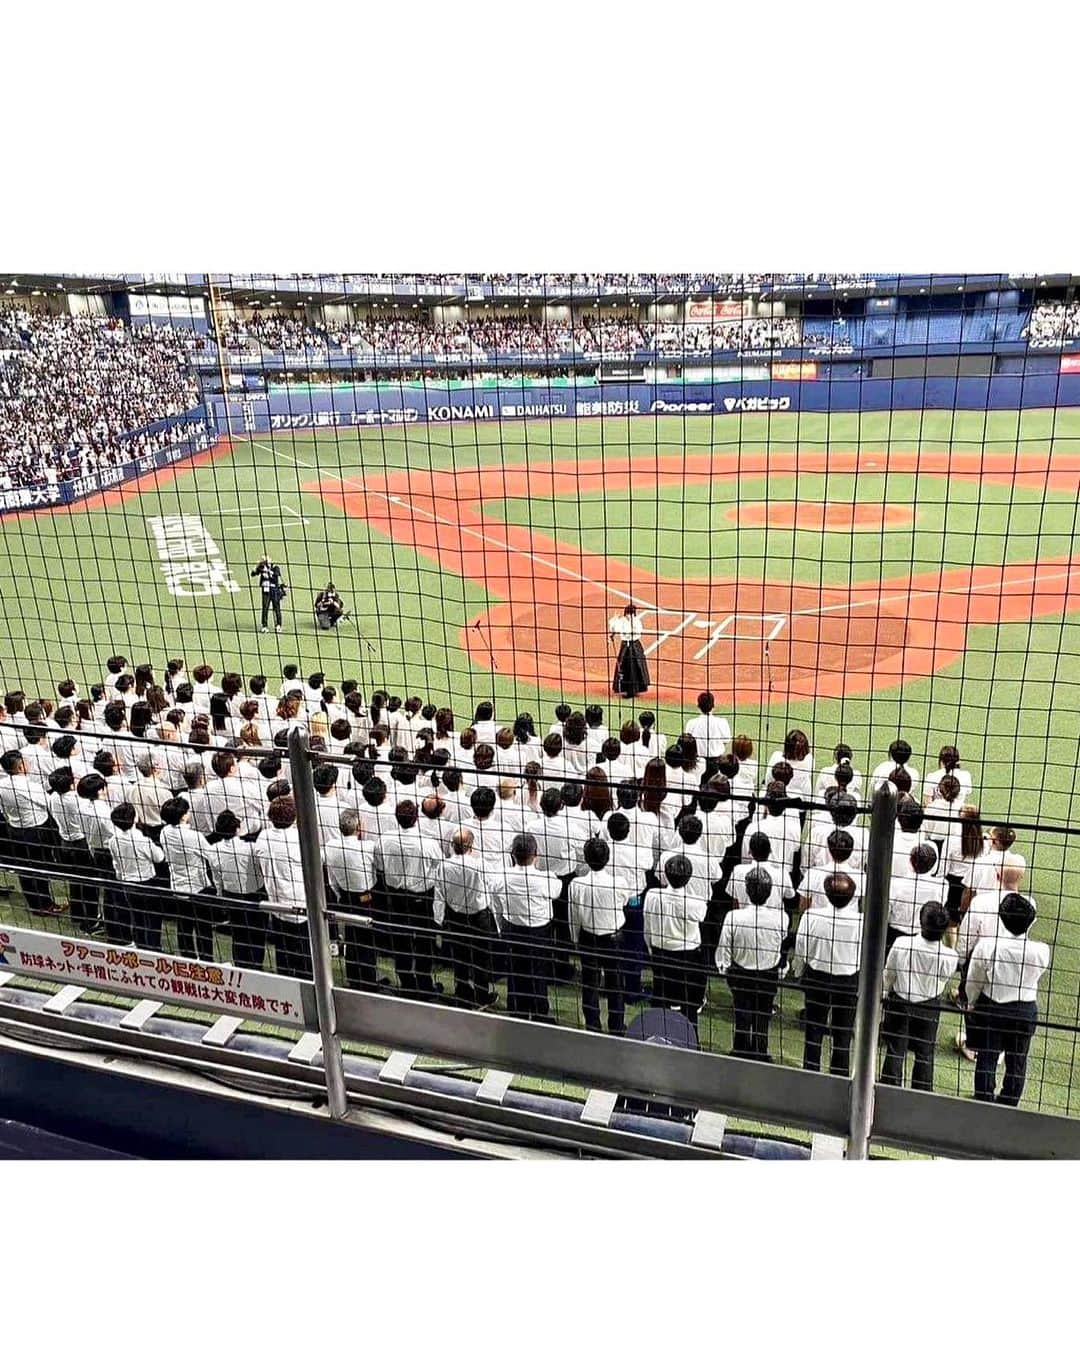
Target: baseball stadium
636,709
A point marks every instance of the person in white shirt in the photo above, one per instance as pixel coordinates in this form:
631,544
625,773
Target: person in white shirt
826,956
711,731
136,861
11,738
842,813
749,953
1002,990
745,781
186,851
280,869
719,825
948,766
456,808
943,812
350,868
839,848
525,896
562,712
633,756
37,754
654,741
25,807
782,827
908,894
484,724
796,752
463,900
596,919
203,688
195,791
909,835
291,683
231,860
981,919
228,790
781,894
73,855
706,867
673,936
406,861
147,795
631,675
917,969
899,758
840,773
596,731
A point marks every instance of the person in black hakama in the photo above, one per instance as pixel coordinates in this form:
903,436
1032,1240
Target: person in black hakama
631,669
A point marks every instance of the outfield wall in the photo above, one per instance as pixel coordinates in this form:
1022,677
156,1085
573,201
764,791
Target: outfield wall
256,414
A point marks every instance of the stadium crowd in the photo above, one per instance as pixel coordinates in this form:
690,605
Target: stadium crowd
77,393
571,853
735,335
1054,323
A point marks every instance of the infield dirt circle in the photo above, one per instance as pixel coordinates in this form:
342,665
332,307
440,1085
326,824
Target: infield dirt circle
843,516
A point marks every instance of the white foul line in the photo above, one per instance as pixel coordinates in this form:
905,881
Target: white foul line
478,534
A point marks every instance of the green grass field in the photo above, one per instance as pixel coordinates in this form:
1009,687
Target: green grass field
80,585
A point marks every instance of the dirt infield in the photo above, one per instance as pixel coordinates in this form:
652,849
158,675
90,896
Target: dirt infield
750,642
845,517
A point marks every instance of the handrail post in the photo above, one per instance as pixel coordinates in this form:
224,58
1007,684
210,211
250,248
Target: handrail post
307,823
871,970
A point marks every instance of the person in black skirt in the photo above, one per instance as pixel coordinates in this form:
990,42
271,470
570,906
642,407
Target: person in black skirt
631,669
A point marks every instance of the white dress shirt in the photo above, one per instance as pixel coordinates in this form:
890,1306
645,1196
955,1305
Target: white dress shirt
783,832
559,841
627,627
186,852
802,776
706,869
407,860
712,733
917,970
782,888
981,920
817,851
596,903
245,797
933,779
461,884
828,941
64,809
672,919
23,800
350,864
97,824
883,770
827,779
812,885
523,895
134,857
1006,969
751,938
907,895
232,866
277,860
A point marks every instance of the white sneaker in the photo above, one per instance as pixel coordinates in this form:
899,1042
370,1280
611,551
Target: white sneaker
262,629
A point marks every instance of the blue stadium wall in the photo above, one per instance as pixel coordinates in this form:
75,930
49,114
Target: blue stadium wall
256,414
360,406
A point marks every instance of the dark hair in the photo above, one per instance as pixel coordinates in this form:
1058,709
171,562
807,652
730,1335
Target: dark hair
705,701
374,791
562,711
759,846
406,813
324,778
227,824
843,808
278,788
484,712
775,798
594,716
758,885
909,815
123,816
678,870
1017,913
948,789
839,889
933,920
646,721
222,762
900,752
290,671
796,745
611,749
90,786
551,801
653,786
63,746
596,853
596,797
689,752
627,794
923,858
618,827
282,813
61,780
482,802
841,845
901,780
523,850
971,836
949,757
174,810
690,829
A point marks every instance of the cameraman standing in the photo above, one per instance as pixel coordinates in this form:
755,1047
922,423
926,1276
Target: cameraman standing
272,586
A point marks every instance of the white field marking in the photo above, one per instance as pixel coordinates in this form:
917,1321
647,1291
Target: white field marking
263,527
886,598
669,633
717,633
477,534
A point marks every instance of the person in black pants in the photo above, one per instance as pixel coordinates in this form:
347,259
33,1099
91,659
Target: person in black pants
749,951
917,970
1002,987
272,587
827,955
232,866
597,916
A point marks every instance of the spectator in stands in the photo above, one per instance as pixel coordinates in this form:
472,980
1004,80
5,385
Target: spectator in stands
25,808
350,870
138,866
463,901
238,880
673,921
597,916
405,860
826,956
186,853
279,868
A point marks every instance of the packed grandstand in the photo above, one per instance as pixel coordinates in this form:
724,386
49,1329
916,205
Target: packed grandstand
93,386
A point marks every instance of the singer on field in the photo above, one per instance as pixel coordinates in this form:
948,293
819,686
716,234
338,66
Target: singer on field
631,669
